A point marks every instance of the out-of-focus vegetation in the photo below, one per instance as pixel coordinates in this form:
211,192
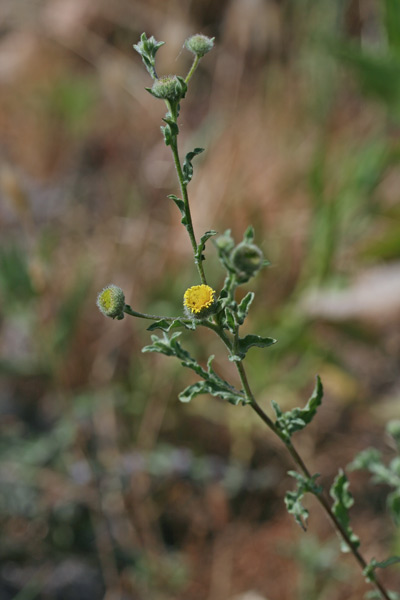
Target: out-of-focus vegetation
110,487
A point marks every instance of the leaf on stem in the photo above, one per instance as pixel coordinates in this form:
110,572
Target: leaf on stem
243,307
187,167
343,500
199,256
296,419
166,325
244,344
293,500
181,205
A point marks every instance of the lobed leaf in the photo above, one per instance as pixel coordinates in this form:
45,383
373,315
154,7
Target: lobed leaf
343,500
296,419
293,500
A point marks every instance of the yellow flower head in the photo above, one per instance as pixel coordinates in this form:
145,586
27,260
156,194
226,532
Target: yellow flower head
199,301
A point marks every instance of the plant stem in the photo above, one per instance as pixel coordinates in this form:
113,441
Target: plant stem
134,313
184,192
192,68
302,466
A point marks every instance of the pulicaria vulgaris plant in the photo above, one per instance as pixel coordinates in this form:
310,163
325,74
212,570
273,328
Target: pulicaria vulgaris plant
224,315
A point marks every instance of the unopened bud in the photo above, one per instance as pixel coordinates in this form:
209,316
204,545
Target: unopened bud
247,260
199,44
170,87
111,302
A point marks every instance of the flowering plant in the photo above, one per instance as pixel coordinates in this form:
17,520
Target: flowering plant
224,315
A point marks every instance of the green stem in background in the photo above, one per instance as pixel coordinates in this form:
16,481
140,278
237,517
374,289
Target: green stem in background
184,192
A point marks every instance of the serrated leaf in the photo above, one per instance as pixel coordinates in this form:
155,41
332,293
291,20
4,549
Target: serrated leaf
187,167
244,344
201,246
343,500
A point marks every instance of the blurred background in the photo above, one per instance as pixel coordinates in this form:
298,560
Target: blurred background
110,488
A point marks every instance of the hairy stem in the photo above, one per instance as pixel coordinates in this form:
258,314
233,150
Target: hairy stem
185,196
302,466
192,68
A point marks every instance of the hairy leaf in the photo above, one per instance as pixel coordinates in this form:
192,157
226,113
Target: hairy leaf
296,419
244,344
343,500
293,500
244,306
201,246
187,167
166,325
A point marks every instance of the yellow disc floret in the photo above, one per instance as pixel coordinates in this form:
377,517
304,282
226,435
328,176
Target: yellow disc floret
199,301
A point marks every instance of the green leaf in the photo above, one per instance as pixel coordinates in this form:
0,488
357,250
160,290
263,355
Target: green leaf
181,205
244,344
343,500
296,419
249,234
164,345
187,167
293,500
369,570
200,387
147,48
244,306
166,325
201,246
230,320
212,387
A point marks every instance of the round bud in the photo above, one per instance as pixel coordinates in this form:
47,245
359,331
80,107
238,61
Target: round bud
247,259
199,301
167,88
111,302
199,44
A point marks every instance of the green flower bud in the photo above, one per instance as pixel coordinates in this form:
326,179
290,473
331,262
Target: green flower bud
171,88
199,301
111,302
199,44
247,259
